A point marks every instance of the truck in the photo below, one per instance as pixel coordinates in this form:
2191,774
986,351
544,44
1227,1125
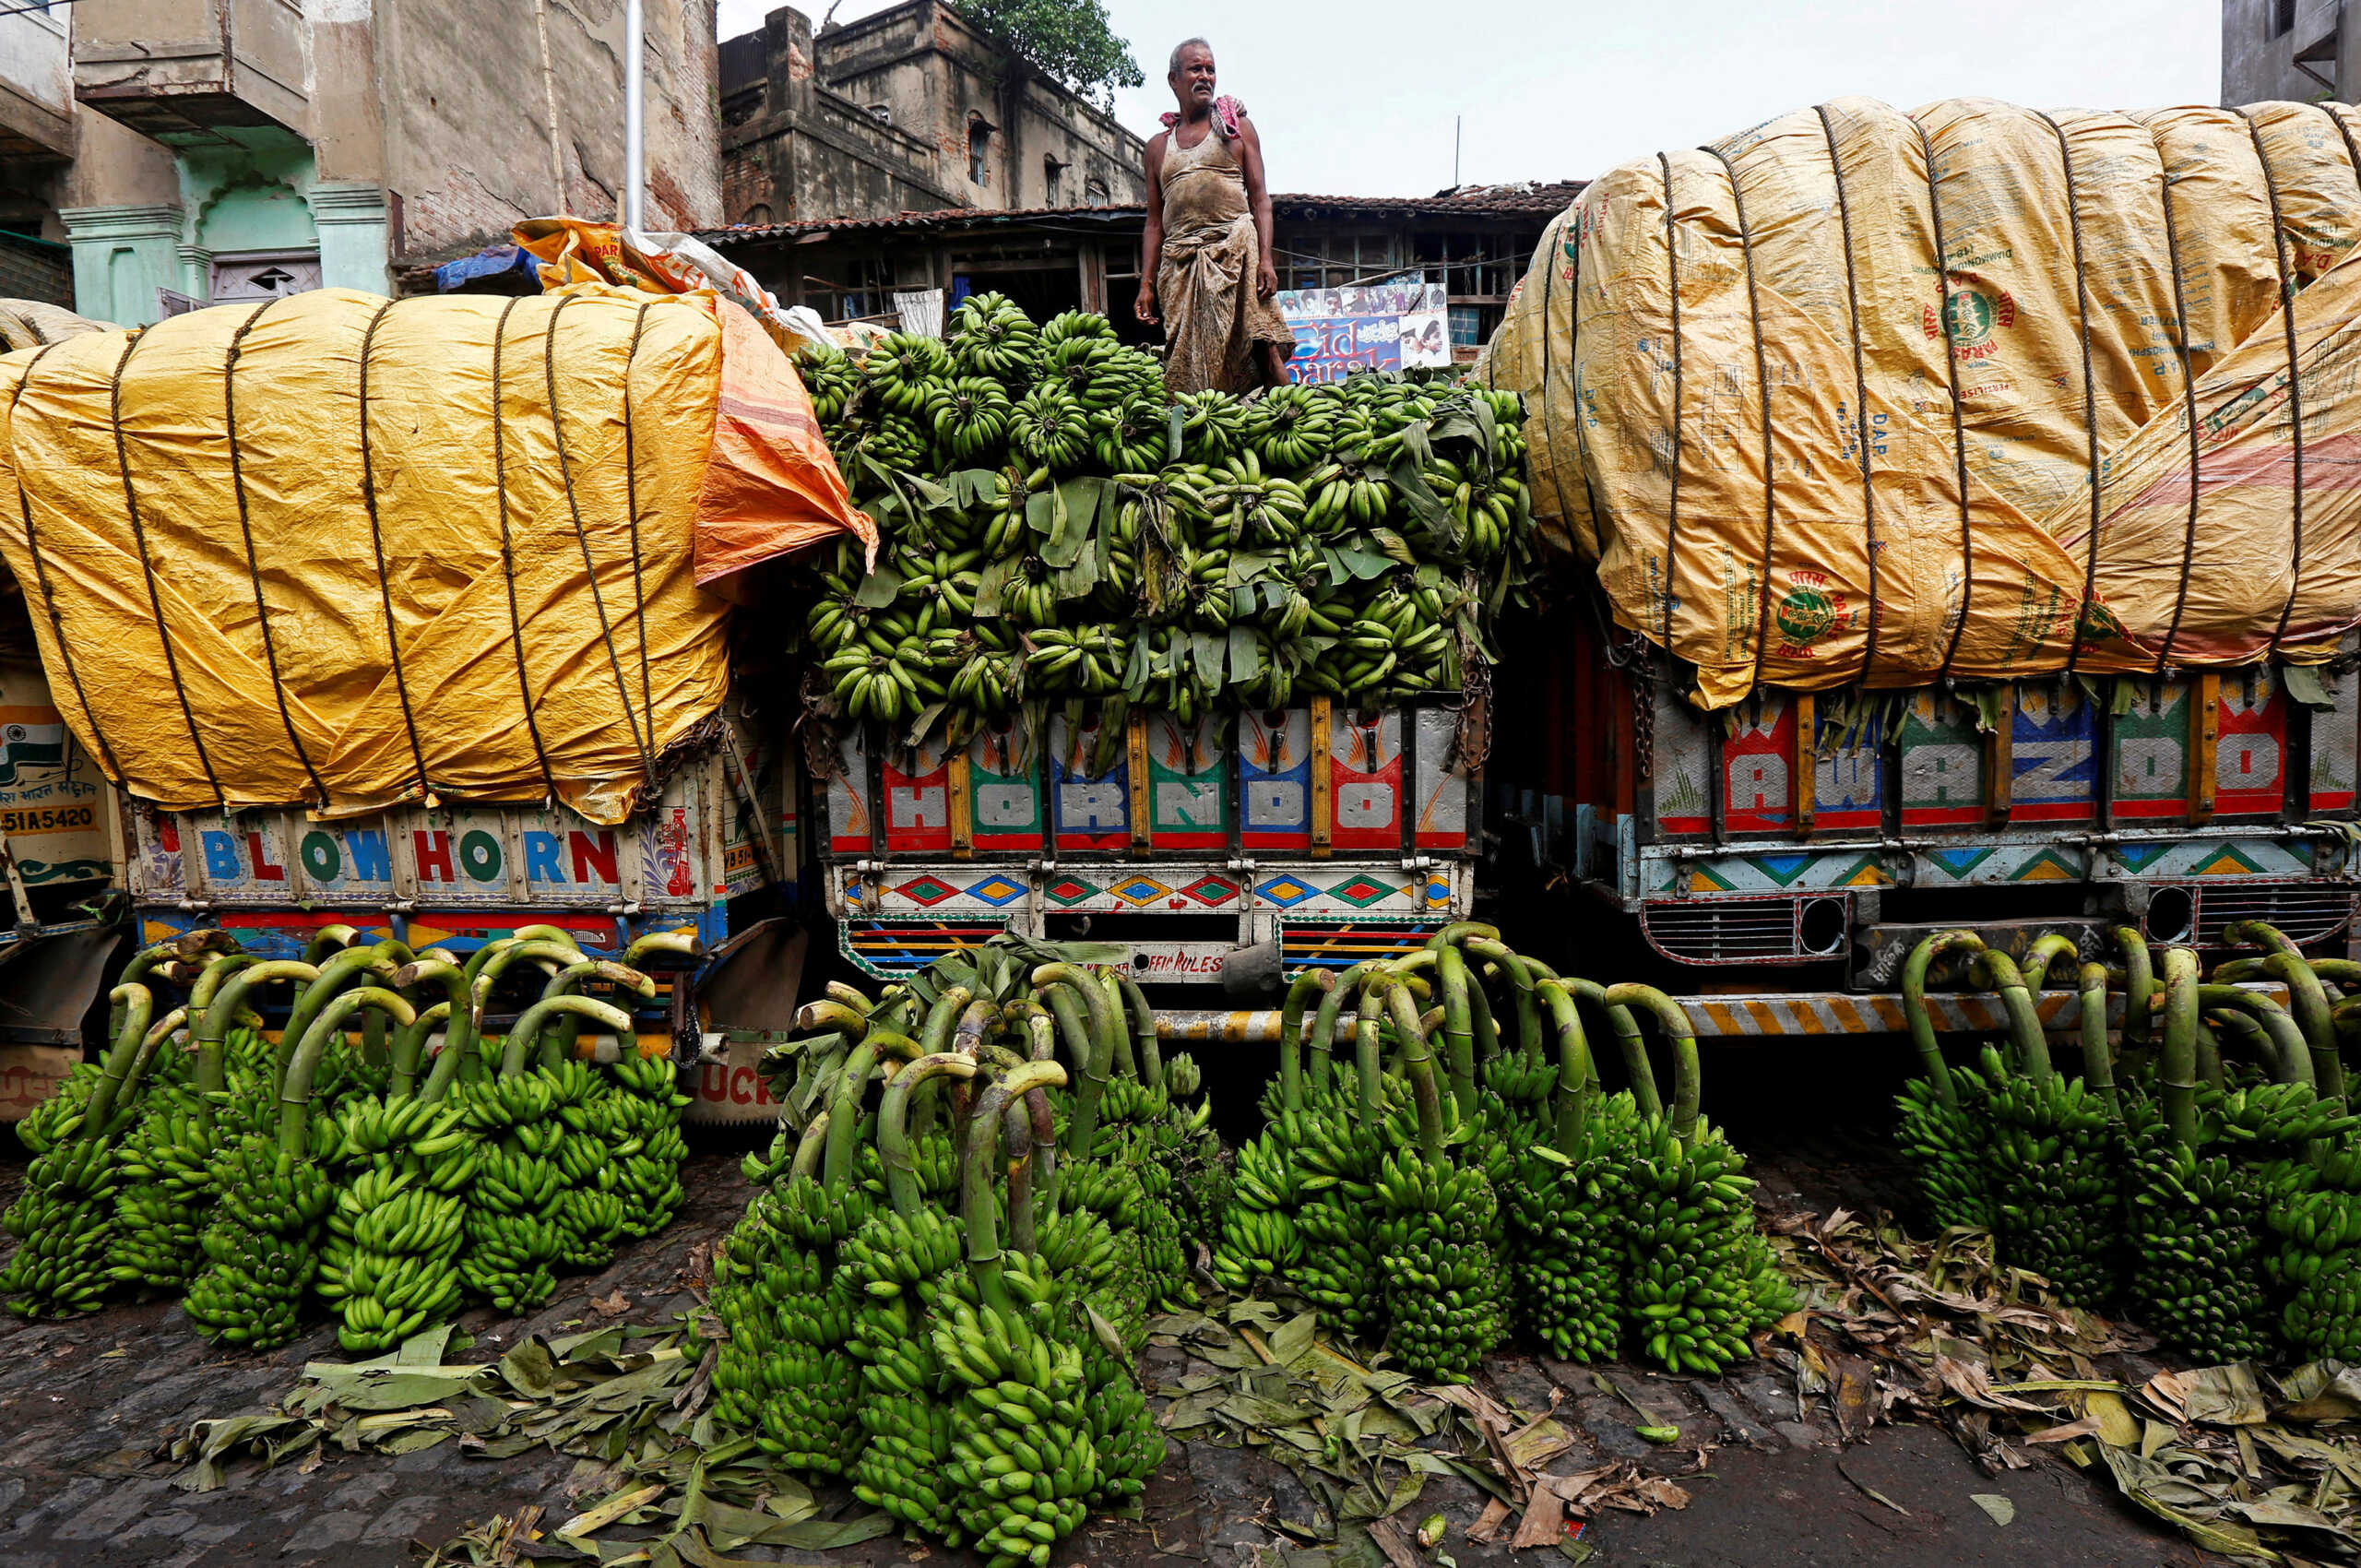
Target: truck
60,909
1820,848
716,857
1222,852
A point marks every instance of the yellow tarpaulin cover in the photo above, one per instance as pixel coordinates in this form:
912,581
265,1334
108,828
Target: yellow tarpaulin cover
343,552
1798,459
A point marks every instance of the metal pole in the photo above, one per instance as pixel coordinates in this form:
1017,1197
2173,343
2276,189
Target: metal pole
635,115
1458,125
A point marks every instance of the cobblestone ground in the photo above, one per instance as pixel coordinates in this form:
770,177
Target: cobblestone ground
84,1405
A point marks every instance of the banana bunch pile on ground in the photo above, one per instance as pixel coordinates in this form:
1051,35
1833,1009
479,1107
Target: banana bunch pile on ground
64,1218
2053,1144
1329,1143
2209,1183
1464,1166
897,1263
333,1165
980,1395
1025,1459
2317,1262
1057,528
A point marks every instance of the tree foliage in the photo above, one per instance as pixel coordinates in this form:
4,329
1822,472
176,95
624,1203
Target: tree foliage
1071,42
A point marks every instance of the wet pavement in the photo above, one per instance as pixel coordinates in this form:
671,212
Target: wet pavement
86,1404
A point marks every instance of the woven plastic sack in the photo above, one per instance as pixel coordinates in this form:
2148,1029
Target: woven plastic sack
1796,459
341,552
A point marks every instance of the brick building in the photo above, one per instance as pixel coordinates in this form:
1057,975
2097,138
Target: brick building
912,109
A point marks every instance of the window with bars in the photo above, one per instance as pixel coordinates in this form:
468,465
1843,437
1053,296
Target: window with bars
1321,259
864,285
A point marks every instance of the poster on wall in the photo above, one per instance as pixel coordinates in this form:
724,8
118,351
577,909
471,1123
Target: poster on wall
1373,326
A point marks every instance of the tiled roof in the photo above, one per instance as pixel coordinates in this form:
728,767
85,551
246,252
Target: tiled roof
1533,198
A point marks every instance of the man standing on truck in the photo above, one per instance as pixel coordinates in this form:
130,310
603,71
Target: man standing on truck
1206,268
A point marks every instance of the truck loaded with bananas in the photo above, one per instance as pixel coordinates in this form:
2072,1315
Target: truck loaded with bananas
877,1328
1375,1189
1057,528
2199,1173
335,1164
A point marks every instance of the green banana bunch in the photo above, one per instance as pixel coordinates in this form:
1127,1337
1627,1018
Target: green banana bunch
1567,1284
1263,512
1087,659
898,369
391,1262
67,1216
1068,325
1344,498
881,680
783,1372
1051,429
894,1263
969,419
1111,1190
1142,1127
1089,371
1291,428
991,335
513,1236
648,1104
1129,436
66,1221
979,666
890,441
1258,1231
1128,1443
2314,1212
1023,1463
1944,1146
1340,1271
2196,1225
160,1209
260,1247
1689,1276
1442,1289
1213,425
60,1115
1029,594
1004,527
602,1131
831,378
2052,1158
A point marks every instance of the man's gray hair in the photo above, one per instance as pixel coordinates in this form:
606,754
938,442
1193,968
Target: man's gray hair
1174,68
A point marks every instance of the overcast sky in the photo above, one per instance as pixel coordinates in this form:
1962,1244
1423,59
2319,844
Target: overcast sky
1356,97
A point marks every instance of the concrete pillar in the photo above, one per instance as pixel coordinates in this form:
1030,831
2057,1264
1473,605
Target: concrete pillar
197,272
351,219
122,255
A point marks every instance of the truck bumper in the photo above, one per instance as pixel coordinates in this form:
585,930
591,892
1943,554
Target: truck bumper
1734,1016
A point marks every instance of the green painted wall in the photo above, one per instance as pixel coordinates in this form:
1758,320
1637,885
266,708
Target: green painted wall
259,190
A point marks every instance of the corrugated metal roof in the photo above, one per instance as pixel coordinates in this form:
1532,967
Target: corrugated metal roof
1526,199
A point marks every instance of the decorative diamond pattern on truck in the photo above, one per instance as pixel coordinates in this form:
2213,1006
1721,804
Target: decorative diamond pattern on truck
1210,891
1068,891
1138,891
997,891
1361,891
1284,891
926,891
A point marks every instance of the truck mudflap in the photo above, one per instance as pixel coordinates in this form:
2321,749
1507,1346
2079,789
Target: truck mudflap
1735,1017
